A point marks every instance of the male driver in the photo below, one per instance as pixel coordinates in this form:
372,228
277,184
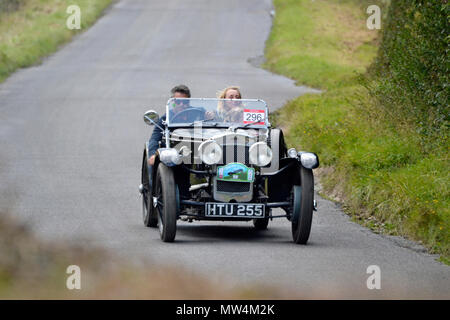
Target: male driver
180,91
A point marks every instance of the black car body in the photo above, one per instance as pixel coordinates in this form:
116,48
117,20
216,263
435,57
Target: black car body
213,166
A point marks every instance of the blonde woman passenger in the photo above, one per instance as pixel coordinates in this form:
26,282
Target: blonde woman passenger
230,111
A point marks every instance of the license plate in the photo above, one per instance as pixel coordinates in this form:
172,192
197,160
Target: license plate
235,210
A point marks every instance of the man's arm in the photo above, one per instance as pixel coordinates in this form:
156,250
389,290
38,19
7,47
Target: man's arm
156,137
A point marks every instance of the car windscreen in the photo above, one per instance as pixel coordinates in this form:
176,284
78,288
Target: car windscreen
216,112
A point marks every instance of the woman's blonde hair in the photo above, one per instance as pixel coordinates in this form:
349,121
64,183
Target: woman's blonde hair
222,94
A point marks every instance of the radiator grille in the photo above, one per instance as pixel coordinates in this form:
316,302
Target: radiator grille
227,186
235,153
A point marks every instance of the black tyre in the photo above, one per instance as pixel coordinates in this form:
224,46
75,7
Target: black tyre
148,211
166,208
303,199
261,224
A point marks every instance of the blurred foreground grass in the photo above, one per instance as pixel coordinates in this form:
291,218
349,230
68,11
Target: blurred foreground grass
32,269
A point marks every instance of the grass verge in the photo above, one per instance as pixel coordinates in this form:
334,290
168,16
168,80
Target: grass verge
32,29
380,168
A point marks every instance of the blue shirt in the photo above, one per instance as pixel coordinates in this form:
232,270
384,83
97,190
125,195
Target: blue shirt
156,137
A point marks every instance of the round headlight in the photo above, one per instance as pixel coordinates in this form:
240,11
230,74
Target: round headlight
260,154
170,156
292,153
309,160
210,152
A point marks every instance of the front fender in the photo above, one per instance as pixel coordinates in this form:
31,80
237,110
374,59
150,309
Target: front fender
280,184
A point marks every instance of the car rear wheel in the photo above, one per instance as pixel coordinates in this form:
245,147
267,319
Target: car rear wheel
148,211
150,219
302,207
261,224
166,207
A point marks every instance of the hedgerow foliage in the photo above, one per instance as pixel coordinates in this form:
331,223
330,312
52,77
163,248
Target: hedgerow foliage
412,67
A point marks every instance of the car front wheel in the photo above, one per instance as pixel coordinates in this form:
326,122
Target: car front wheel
166,203
302,207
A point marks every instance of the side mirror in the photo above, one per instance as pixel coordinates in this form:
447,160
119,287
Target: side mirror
151,117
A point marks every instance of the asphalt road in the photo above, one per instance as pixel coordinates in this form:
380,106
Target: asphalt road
71,139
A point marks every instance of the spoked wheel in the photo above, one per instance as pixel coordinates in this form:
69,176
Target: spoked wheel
166,207
148,211
302,211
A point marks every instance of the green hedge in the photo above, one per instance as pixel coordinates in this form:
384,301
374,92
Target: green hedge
412,67
383,150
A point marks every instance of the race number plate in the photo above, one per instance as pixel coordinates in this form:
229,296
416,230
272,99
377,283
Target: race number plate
234,210
254,116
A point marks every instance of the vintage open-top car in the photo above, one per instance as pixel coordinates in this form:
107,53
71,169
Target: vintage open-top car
221,160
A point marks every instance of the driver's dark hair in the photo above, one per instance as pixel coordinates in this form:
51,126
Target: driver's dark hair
181,89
